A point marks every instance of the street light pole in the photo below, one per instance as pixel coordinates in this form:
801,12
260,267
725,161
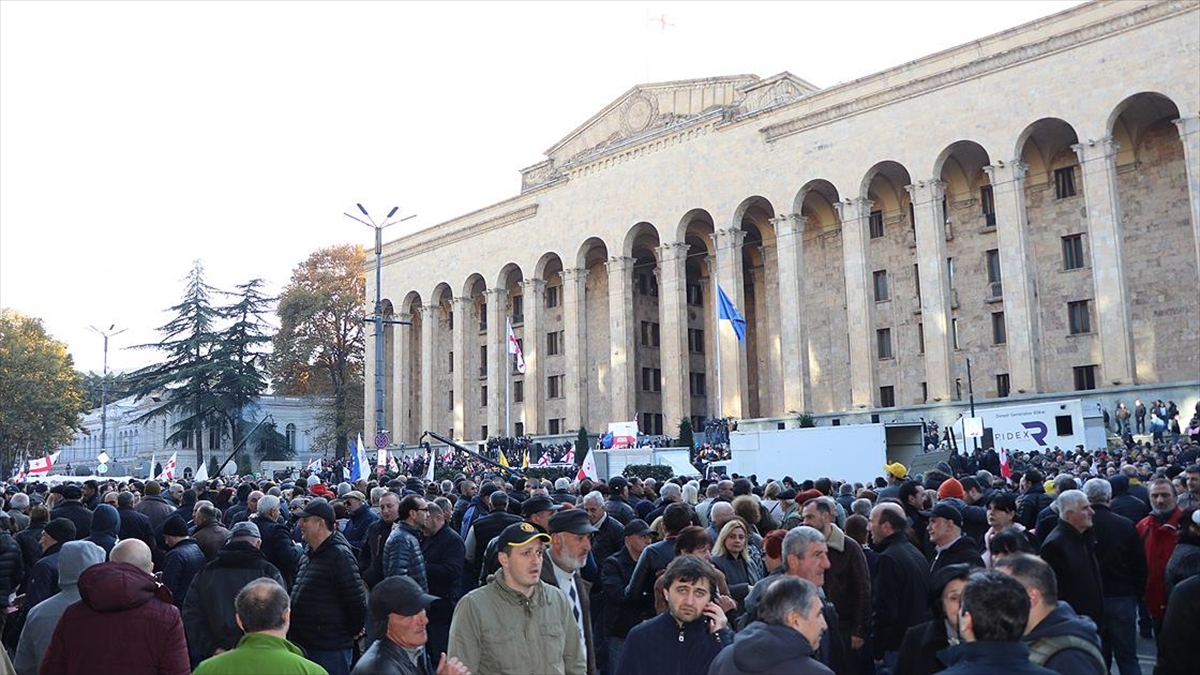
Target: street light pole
971,395
378,319
104,384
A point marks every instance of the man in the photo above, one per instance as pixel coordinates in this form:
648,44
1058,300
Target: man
249,511
240,505
517,624
655,558
618,505
398,609
402,552
184,559
483,531
951,546
670,494
536,510
18,510
710,497
785,638
847,581
1124,503
466,495
208,611
328,596
562,492
1070,549
370,554
72,509
610,533
1159,533
900,585
43,579
1032,500
74,558
209,533
476,507
1058,638
793,515
689,635
277,545
261,610
570,542
134,525
615,573
361,518
1122,576
1192,496
993,613
896,474
444,555
124,622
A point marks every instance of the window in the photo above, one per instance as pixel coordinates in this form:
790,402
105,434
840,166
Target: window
519,428
555,426
518,392
1072,251
954,333
917,283
887,397
518,309
553,343
883,340
696,340
696,384
920,338
1079,317
876,224
924,392
214,438
1002,386
450,397
483,360
695,294
452,362
993,265
652,424
290,434
1064,182
483,317
881,286
1085,378
450,320
551,296
483,431
999,335
651,379
987,203
950,272
554,386
483,396
647,284
650,336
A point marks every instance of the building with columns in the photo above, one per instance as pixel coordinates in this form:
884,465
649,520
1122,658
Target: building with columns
1029,201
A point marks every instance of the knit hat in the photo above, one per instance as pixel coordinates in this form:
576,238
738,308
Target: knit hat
948,512
61,529
896,470
75,557
152,488
951,488
175,527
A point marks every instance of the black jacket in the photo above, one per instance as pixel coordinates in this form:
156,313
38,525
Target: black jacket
135,525
278,548
763,649
208,611
1030,504
919,651
899,592
1119,554
660,647
184,561
1072,556
30,541
1130,506
386,656
1181,628
619,616
77,513
1064,621
609,540
370,555
990,658
329,603
961,550
12,566
444,558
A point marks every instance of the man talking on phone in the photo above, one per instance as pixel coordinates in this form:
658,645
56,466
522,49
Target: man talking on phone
686,637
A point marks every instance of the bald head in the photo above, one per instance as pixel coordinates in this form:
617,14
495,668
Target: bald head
886,519
135,552
721,513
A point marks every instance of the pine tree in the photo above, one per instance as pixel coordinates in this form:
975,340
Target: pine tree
239,354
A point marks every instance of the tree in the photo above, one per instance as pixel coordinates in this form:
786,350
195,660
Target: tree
270,445
582,445
93,387
320,344
41,393
239,355
687,438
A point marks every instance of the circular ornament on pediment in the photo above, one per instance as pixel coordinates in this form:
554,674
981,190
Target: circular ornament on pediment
638,113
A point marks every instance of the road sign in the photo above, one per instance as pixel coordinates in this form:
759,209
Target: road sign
973,427
381,440
102,457
101,469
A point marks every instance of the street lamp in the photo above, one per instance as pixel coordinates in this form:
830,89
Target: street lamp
971,394
378,319
104,383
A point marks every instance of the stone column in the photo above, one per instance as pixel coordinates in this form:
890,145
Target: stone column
728,244
793,339
855,214
926,198
1022,331
1189,135
497,359
622,338
462,331
401,379
429,318
535,338
575,346
769,352
673,325
1097,161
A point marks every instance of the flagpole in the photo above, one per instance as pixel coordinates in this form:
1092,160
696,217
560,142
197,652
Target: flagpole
508,397
716,303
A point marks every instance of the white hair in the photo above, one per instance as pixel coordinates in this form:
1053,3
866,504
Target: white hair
593,497
562,484
267,504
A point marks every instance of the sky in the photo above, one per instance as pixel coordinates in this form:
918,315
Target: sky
138,137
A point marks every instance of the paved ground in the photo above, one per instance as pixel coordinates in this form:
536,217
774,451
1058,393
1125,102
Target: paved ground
1147,650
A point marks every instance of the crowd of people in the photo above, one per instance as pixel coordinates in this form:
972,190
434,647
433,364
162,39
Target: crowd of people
958,570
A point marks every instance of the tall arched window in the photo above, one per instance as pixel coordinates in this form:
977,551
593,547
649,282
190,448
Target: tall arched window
290,432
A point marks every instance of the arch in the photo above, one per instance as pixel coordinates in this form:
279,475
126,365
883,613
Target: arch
386,308
508,274
884,185
756,207
818,186
637,236
960,167
1132,117
1040,142
411,304
592,252
692,219
441,294
548,265
471,285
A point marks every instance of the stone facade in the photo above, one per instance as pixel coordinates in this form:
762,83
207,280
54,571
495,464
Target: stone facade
1029,202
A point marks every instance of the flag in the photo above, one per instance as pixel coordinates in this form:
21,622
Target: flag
448,456
545,460
588,470
525,460
728,312
503,460
514,347
429,469
381,462
201,473
20,477
393,466
168,472
41,467
314,465
1005,467
358,462
569,458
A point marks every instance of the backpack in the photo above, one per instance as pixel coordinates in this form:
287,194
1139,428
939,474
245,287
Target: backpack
1042,650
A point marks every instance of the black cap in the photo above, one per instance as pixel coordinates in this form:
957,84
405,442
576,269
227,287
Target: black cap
72,491
318,508
789,493
618,483
637,526
175,527
519,534
947,511
61,529
575,521
398,594
537,504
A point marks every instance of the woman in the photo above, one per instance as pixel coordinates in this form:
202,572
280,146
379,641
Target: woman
731,555
770,501
691,493
1185,560
922,643
1001,515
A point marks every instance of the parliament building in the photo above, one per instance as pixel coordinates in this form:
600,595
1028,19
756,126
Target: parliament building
1028,203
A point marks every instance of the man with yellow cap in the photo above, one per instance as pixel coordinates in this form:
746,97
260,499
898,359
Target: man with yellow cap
896,475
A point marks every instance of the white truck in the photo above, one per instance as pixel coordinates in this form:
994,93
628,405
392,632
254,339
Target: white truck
1042,426
854,452
612,462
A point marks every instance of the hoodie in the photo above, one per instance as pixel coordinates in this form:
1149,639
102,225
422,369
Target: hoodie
74,558
764,649
1064,621
106,523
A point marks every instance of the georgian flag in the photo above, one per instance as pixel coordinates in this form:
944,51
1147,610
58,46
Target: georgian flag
514,347
588,469
41,467
168,472
545,460
569,458
1005,467
315,465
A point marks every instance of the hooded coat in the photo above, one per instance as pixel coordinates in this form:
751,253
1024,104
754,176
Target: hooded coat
76,556
1064,621
208,610
764,649
106,525
124,623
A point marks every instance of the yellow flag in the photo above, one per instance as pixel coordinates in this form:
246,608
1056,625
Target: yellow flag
525,460
503,460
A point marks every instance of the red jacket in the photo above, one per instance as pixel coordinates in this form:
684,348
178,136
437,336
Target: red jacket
125,623
1158,540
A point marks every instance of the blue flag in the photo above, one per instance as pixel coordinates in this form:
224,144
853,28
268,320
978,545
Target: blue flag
728,312
358,461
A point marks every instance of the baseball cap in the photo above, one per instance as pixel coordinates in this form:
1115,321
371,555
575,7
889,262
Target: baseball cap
355,494
896,470
638,527
319,508
520,534
537,504
947,511
398,594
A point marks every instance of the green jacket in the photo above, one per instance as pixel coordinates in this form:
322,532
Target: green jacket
258,653
498,631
